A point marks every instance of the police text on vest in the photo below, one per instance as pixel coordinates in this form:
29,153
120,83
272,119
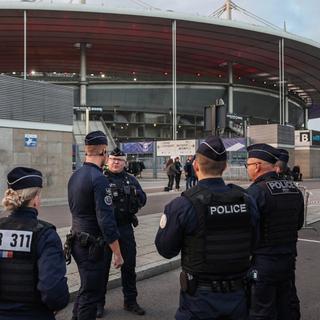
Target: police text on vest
228,208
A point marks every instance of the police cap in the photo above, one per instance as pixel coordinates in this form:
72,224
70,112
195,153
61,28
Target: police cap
95,138
117,153
23,178
213,149
283,155
264,152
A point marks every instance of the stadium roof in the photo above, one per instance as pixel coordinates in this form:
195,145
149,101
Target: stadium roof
140,43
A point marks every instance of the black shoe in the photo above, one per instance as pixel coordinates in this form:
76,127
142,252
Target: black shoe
100,311
134,308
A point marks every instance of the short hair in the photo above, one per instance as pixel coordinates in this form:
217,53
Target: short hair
14,199
94,150
209,166
281,165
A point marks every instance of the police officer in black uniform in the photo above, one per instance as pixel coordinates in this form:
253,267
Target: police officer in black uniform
93,225
33,285
128,197
284,172
215,226
281,166
281,207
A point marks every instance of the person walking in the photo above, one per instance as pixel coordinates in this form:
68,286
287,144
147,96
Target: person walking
171,173
93,226
177,177
128,197
215,227
281,207
33,285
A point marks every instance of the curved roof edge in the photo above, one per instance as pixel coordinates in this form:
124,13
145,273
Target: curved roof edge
158,14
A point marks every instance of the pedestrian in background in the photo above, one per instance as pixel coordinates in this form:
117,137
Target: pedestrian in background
127,197
178,173
171,173
281,207
93,226
215,226
33,285
188,171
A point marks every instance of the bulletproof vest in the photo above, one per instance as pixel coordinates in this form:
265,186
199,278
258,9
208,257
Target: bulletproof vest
18,259
280,215
222,243
124,198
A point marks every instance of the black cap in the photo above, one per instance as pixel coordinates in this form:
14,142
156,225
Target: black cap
284,155
213,149
116,152
95,138
264,152
23,178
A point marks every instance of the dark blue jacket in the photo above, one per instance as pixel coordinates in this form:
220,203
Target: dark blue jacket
260,197
52,283
90,203
181,219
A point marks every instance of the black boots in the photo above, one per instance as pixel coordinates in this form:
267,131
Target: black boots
134,308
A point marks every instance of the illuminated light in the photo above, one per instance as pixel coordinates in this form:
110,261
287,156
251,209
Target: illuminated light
103,75
264,82
220,75
92,75
179,127
133,72
127,124
33,72
134,79
54,72
263,74
121,127
166,73
74,73
239,78
198,74
294,88
273,78
274,84
154,124
13,72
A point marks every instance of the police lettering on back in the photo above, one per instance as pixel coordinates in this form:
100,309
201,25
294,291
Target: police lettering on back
226,209
281,187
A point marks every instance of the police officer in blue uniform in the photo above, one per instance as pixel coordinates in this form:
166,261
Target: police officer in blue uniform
128,197
93,225
33,285
215,226
281,207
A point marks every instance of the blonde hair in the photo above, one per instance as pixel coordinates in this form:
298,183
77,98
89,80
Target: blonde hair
14,199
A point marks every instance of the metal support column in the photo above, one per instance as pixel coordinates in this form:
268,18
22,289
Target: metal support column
24,44
83,83
230,88
306,117
282,108
174,80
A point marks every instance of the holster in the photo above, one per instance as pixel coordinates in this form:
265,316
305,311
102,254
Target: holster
188,283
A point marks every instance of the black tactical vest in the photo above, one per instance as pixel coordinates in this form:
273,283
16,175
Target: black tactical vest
279,217
221,245
18,259
125,201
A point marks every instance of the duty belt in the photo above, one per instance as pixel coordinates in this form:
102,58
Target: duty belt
222,286
86,238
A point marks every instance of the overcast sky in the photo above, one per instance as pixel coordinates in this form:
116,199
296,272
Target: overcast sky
301,16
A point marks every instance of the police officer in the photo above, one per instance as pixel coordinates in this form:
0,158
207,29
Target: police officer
214,225
93,225
33,285
128,197
281,166
281,207
283,171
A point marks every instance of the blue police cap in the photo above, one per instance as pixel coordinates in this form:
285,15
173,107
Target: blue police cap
213,149
283,155
116,152
23,178
95,138
264,152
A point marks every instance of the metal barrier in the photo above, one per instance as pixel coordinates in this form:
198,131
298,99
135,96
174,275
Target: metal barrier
306,194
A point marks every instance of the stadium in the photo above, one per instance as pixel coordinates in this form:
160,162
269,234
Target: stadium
149,74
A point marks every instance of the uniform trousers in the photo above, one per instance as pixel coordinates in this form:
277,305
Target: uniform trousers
128,270
92,281
208,305
271,291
